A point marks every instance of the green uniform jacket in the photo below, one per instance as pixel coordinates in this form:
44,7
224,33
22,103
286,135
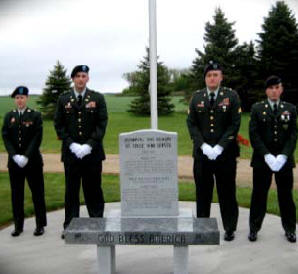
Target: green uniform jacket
217,125
84,125
23,136
272,134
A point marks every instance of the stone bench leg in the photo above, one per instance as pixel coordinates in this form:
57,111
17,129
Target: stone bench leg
180,259
106,259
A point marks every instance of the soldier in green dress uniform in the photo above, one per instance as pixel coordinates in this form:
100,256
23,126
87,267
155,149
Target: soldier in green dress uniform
213,122
273,135
80,122
22,135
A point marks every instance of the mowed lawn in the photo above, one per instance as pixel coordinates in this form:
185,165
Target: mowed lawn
54,194
122,121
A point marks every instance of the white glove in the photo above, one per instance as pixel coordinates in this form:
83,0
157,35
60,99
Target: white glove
85,150
270,161
16,158
76,149
23,161
20,160
208,151
280,162
80,150
217,150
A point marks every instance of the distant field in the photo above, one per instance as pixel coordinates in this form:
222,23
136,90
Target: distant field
114,103
122,121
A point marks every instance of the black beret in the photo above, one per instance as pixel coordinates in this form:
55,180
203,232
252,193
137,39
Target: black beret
21,90
272,80
211,66
79,68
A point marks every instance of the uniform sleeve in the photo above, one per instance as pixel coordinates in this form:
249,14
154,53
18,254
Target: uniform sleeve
230,135
36,140
5,136
59,123
192,125
255,138
101,123
290,144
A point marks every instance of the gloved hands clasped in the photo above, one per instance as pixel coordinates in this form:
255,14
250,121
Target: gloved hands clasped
275,163
80,150
20,160
211,152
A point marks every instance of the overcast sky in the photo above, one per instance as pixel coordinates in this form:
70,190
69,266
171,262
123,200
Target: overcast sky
109,36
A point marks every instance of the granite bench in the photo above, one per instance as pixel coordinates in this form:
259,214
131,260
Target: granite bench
108,232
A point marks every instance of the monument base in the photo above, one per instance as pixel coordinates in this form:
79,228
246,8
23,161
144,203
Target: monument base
180,232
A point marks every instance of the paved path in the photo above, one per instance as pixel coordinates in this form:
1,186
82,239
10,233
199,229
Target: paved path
48,254
52,163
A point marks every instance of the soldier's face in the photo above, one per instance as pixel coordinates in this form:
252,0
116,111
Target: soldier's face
80,80
213,79
274,92
20,101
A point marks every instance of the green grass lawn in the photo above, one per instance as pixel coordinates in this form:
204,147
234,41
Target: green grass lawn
54,189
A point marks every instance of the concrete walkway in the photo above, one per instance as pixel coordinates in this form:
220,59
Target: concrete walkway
48,254
52,163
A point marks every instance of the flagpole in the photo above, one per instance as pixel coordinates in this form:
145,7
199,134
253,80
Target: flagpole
153,63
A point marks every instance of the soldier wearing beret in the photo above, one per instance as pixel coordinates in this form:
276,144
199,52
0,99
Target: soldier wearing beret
213,122
22,135
272,131
80,122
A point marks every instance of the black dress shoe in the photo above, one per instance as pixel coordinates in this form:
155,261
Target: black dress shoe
253,236
38,231
291,237
229,236
63,236
16,232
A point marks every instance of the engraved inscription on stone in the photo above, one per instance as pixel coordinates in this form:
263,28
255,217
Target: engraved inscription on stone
148,173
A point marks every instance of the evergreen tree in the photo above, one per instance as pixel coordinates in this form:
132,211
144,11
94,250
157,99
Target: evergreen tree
278,48
245,80
239,62
141,105
220,44
56,84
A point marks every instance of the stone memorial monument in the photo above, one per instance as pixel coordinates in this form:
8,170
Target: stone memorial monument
149,213
148,173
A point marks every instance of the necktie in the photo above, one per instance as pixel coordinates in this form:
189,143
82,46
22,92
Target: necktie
80,100
275,109
212,95
21,116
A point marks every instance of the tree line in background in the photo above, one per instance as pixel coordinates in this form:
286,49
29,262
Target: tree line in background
246,66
